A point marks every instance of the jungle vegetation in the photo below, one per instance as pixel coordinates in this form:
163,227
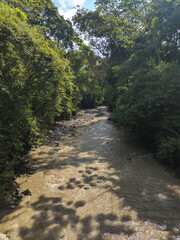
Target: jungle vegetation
48,73
140,40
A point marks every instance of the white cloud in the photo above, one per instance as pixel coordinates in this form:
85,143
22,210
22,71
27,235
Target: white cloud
68,14
70,3
67,9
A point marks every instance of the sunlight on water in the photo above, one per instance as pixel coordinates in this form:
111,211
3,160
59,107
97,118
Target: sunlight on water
99,184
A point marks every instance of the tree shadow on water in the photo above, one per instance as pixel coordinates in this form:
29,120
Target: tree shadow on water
142,187
52,217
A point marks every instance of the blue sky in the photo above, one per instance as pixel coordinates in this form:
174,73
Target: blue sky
67,7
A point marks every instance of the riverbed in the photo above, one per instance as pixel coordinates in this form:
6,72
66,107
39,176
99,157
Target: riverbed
99,183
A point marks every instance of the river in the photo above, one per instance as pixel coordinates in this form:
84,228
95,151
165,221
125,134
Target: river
99,184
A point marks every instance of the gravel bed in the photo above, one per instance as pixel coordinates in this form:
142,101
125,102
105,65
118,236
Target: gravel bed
62,128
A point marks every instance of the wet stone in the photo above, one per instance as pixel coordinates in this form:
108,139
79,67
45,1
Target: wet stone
27,192
18,190
12,206
162,227
15,202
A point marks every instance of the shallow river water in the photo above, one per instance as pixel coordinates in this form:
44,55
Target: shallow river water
99,184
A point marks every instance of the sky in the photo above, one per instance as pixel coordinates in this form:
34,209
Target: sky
67,8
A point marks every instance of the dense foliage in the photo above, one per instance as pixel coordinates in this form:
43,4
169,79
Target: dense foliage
141,41
38,84
44,16
35,85
88,70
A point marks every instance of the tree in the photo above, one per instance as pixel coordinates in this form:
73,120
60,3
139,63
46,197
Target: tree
36,84
45,17
88,70
142,49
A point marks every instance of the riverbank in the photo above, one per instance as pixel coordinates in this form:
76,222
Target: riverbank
61,128
54,137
